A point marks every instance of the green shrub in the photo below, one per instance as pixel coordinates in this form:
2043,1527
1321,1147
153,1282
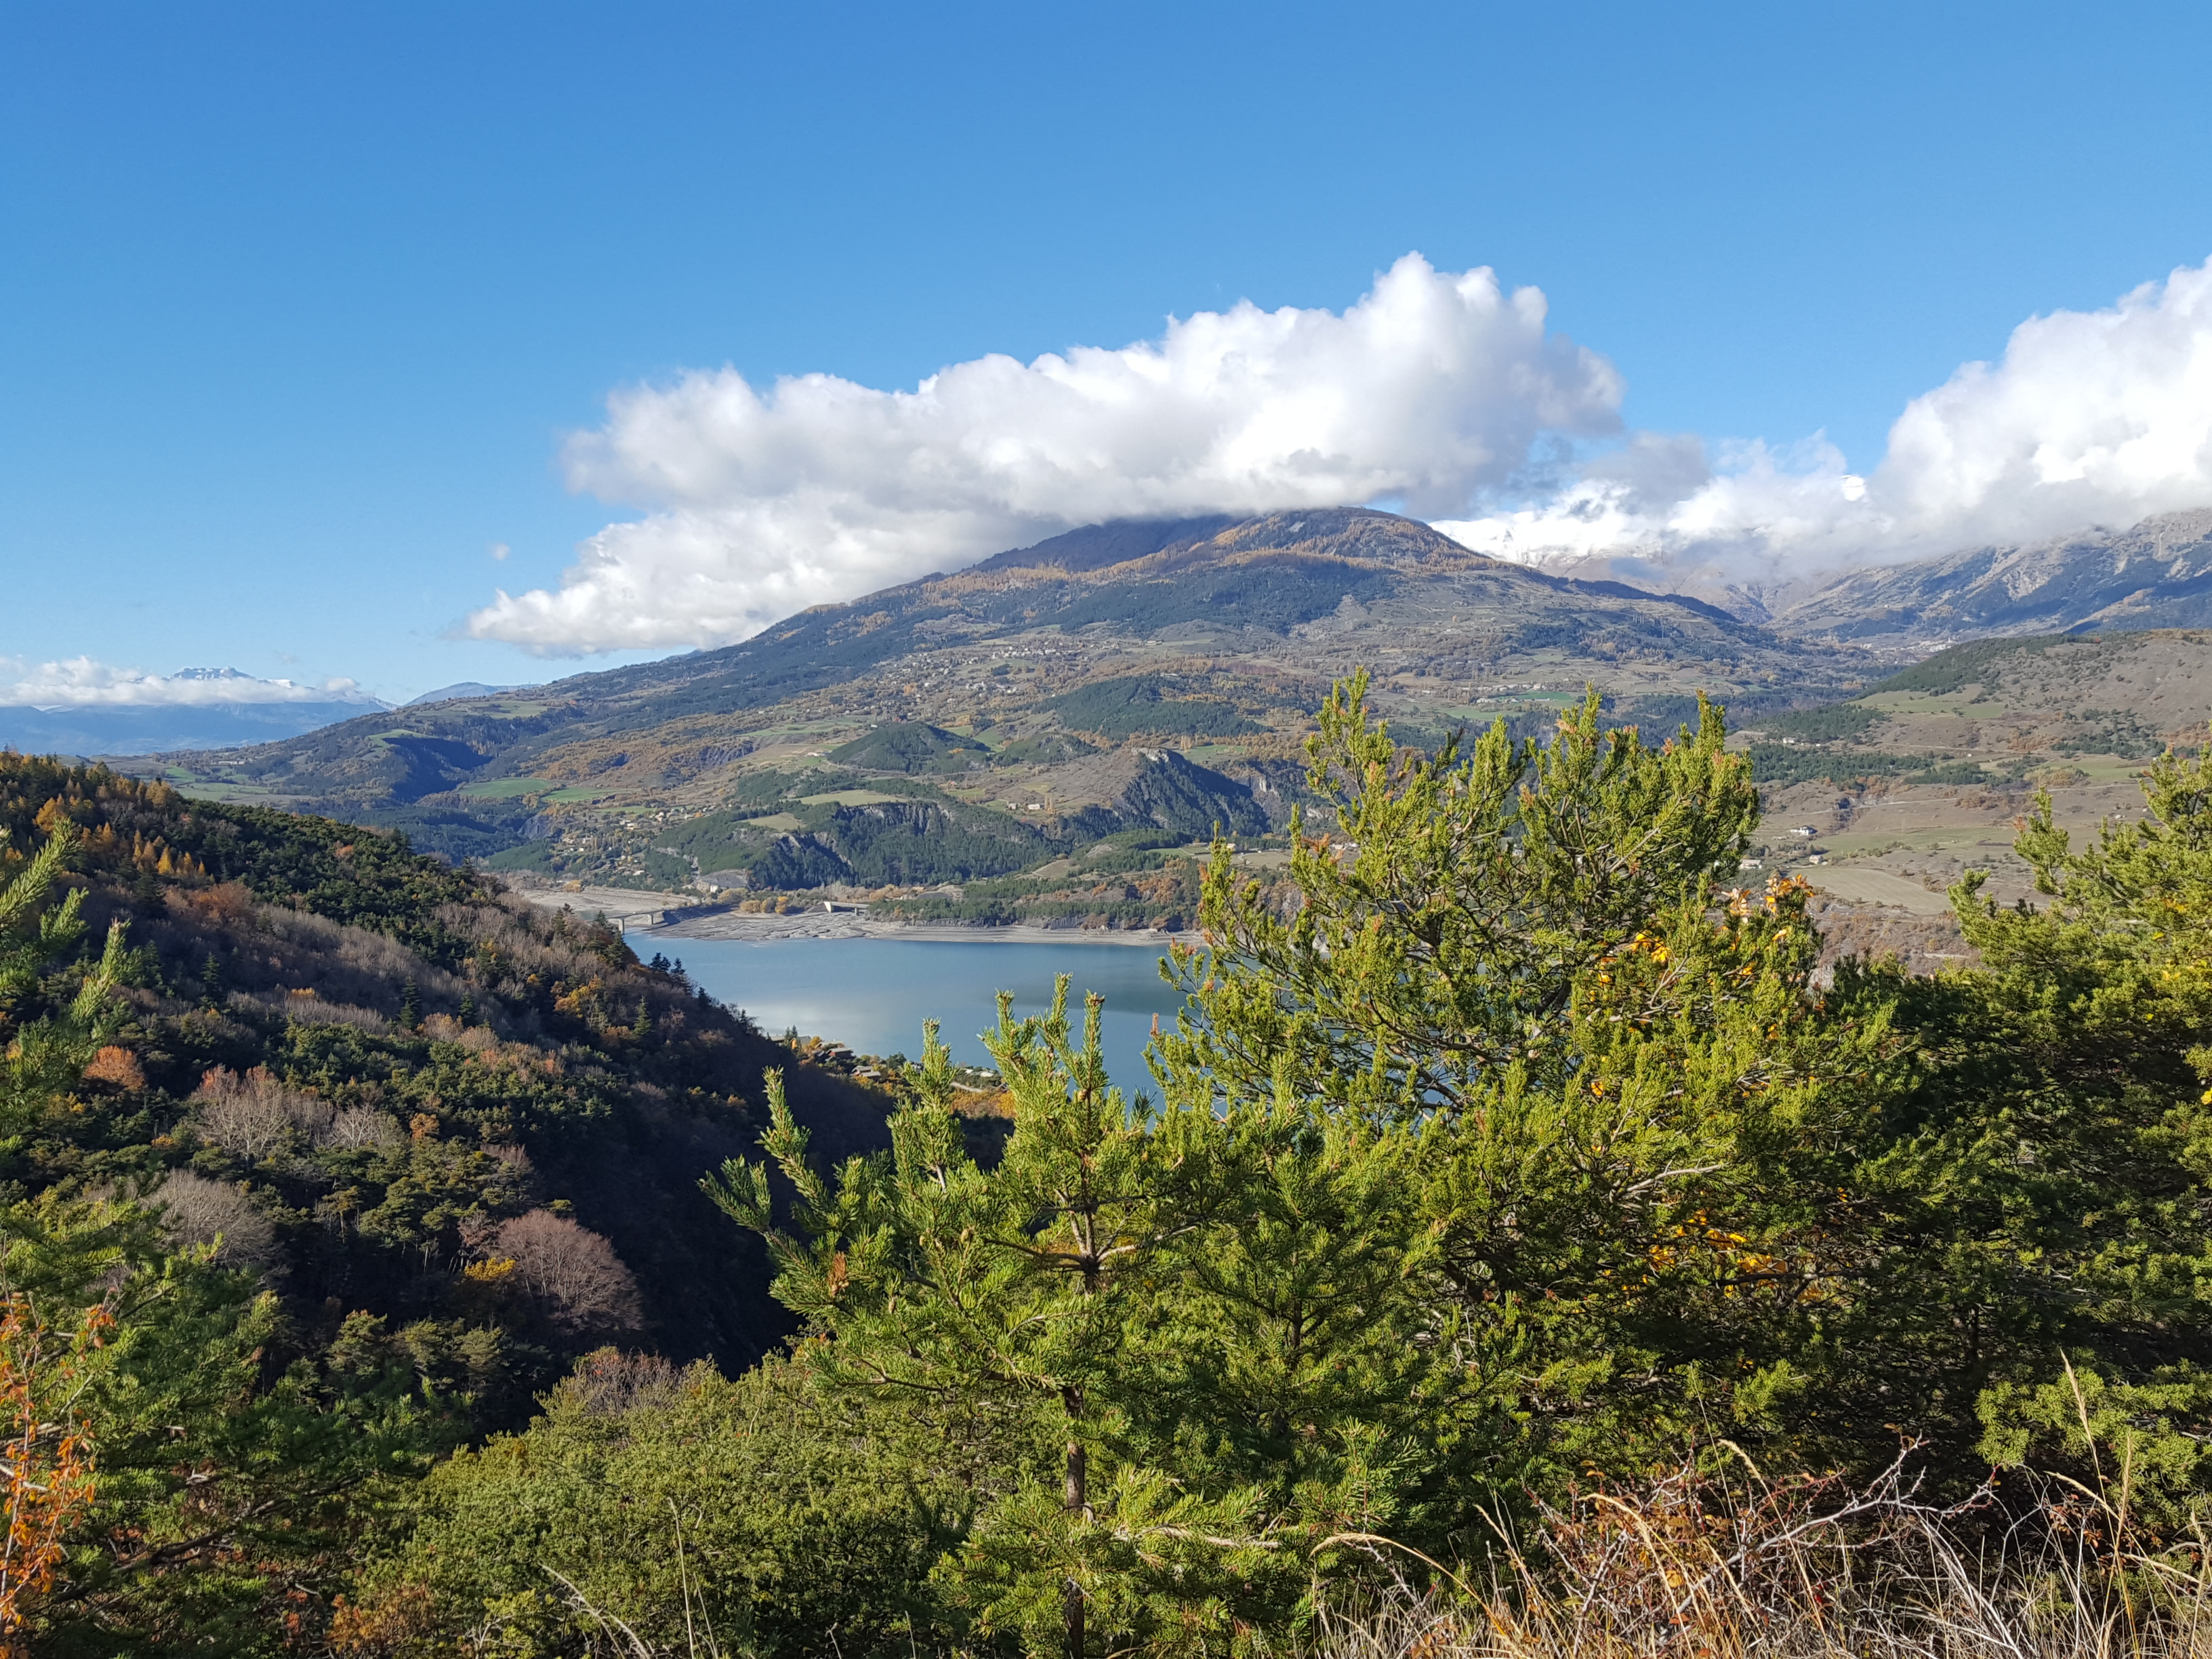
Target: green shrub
782,1521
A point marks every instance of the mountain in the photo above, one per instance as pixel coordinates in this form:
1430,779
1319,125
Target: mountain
1210,639
2156,575
1037,738
1161,788
454,693
206,708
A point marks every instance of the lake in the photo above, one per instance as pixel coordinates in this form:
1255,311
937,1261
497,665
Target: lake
872,994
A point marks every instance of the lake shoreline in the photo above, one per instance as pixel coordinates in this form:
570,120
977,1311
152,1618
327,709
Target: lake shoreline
629,908
851,924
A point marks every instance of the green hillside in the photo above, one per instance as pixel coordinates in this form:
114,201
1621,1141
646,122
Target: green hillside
483,1058
911,746
1138,706
2013,702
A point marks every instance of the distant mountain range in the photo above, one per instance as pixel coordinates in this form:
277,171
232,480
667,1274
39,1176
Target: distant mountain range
253,717
2156,575
202,708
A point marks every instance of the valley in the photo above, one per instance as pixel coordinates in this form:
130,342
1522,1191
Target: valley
1042,740
1886,799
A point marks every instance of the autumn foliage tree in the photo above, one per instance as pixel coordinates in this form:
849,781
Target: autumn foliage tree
45,1459
571,1270
48,1452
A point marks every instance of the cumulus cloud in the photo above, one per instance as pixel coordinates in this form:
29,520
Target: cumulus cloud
81,682
1430,392
2100,418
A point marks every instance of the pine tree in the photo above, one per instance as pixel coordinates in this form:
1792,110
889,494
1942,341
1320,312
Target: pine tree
1513,1147
1651,1163
48,1051
996,1304
2079,1055
1456,905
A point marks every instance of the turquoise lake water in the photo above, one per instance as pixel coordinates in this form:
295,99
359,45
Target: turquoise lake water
872,994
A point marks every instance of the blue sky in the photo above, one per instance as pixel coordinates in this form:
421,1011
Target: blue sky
299,304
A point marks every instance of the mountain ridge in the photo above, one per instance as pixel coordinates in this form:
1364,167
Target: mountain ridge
1259,612
2154,574
137,728
200,717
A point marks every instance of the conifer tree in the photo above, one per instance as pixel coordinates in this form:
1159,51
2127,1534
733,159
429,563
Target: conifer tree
47,1052
2077,1062
1516,1142
1643,1132
994,1305
1450,908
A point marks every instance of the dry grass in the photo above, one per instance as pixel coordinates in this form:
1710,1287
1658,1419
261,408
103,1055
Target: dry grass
1704,1567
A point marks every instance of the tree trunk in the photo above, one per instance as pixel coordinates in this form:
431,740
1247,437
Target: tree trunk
1076,1497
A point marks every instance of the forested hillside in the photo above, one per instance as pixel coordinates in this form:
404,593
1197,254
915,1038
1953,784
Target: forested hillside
431,1144
1524,1248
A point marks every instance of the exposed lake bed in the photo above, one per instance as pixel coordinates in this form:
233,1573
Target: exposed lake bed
855,922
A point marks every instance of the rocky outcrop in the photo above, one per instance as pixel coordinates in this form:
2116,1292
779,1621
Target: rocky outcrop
1161,788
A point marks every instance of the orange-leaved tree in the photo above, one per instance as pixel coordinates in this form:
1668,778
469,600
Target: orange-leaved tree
46,1457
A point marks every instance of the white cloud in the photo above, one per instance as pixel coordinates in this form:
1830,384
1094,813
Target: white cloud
1433,393
1429,391
81,682
2098,417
